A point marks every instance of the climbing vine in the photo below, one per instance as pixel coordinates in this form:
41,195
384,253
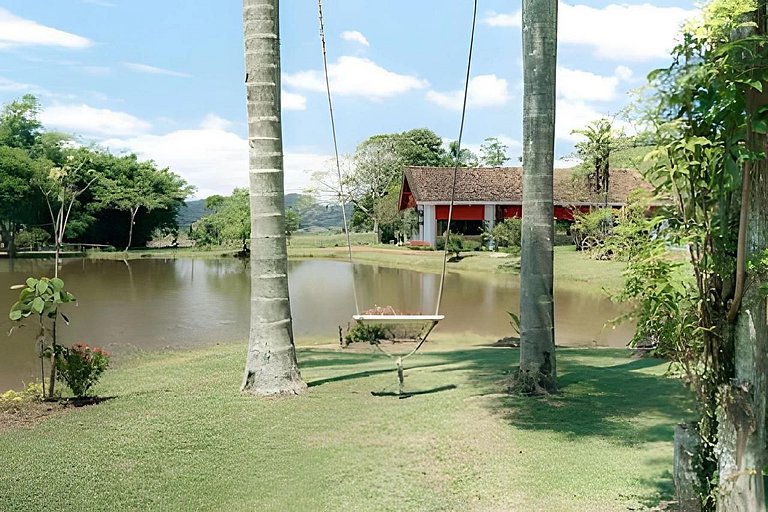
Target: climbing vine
703,125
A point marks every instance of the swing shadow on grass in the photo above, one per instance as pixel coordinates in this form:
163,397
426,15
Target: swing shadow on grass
606,398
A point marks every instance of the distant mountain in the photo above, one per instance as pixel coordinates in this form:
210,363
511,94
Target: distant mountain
313,214
191,212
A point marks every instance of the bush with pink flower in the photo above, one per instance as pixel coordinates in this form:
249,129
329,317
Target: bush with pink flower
81,366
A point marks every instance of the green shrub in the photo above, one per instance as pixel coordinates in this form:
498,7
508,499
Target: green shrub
33,237
507,233
367,333
80,367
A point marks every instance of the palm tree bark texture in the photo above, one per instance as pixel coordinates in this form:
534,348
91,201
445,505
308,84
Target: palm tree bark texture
538,370
271,367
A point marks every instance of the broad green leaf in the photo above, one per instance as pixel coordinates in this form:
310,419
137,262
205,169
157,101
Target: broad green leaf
38,305
57,283
15,315
760,126
41,287
31,282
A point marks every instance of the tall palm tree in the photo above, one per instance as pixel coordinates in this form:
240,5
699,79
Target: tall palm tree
271,366
537,331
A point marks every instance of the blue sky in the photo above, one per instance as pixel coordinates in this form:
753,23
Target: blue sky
165,78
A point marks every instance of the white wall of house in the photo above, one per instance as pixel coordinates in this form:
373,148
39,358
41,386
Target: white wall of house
490,216
429,229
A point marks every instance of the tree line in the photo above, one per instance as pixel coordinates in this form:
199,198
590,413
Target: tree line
53,189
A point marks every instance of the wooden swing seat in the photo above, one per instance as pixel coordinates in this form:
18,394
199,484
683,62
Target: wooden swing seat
397,319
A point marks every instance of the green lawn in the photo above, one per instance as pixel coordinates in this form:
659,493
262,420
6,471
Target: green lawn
179,436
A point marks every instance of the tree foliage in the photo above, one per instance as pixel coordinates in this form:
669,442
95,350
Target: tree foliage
493,153
75,192
708,111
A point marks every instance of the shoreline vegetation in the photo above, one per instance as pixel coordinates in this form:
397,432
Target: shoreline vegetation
573,269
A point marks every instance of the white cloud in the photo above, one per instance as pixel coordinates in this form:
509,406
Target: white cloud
623,73
617,31
292,101
355,36
495,19
89,121
572,115
16,31
355,76
214,159
484,91
214,122
578,85
153,70
8,85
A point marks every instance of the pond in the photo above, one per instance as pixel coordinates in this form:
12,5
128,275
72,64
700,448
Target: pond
156,303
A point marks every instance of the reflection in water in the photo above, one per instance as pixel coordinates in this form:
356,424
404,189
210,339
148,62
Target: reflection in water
155,303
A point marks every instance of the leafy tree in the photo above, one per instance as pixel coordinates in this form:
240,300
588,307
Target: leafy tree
418,147
711,118
493,153
463,157
292,222
230,221
271,366
538,370
372,174
133,186
595,154
17,198
19,126
62,186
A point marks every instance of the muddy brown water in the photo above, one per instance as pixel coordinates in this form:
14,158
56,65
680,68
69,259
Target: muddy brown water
157,303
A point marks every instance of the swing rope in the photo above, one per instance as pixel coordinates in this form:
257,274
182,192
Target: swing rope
336,152
457,162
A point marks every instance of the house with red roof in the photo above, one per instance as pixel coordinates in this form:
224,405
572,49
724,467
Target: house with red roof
487,195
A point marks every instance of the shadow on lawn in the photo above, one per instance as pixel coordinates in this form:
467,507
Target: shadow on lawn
618,402
597,398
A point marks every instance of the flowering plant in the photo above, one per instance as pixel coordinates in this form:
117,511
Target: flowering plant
80,366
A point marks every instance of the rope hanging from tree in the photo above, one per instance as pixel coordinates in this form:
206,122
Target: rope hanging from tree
432,320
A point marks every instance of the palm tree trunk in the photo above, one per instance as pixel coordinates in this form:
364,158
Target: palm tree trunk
271,366
537,332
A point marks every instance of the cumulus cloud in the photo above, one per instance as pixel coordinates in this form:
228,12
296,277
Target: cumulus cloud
214,122
617,31
484,91
575,84
90,121
153,70
213,158
292,101
572,115
355,36
16,31
623,73
355,76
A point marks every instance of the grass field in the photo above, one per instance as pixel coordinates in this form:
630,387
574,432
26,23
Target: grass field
179,436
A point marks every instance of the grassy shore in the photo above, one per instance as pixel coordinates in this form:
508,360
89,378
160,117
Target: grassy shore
573,269
179,436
